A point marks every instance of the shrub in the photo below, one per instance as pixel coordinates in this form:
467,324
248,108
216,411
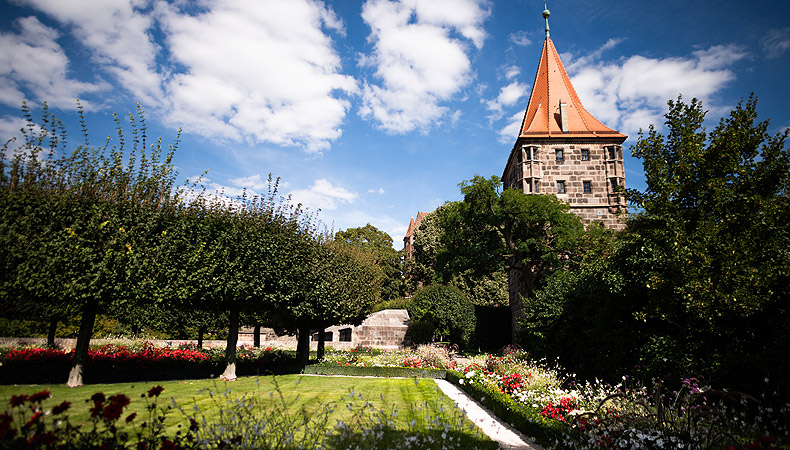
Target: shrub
421,332
448,309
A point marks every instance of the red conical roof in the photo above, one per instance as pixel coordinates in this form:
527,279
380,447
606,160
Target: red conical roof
543,117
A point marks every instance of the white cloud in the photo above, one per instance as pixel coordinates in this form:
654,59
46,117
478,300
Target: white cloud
776,42
520,38
419,61
323,195
509,95
33,66
379,191
9,129
254,183
510,132
243,70
260,70
512,72
117,33
633,92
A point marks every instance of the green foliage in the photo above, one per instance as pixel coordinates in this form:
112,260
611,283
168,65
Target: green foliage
74,220
379,244
396,303
433,263
699,281
450,312
421,331
357,371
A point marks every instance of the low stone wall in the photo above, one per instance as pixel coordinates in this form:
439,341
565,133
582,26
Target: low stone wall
385,329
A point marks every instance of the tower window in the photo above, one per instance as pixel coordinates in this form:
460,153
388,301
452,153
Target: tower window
612,153
558,155
587,187
561,187
614,184
585,154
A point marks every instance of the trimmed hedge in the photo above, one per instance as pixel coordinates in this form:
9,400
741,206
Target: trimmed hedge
523,418
360,371
53,372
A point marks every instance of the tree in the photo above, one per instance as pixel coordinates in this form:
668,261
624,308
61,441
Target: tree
711,241
448,310
698,282
95,207
332,283
379,244
529,235
482,287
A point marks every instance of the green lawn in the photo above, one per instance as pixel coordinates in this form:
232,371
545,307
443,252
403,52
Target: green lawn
409,404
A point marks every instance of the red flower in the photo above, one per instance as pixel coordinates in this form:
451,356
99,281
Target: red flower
39,396
131,417
167,444
98,397
155,391
120,399
112,411
18,400
34,418
96,410
61,408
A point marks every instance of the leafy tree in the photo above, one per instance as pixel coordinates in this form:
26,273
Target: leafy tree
447,309
711,241
332,283
93,208
698,282
379,244
482,287
529,235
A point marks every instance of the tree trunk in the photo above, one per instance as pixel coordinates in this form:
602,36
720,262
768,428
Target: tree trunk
53,327
256,336
230,350
321,344
303,344
201,331
83,342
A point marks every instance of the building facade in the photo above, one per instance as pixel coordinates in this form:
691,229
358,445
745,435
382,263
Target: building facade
564,150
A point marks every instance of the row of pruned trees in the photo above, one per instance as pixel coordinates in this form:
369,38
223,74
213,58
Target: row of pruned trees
106,229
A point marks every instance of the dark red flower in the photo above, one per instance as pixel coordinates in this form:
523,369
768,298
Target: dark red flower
61,408
18,400
155,391
112,411
34,418
120,399
98,397
130,417
167,444
96,410
39,396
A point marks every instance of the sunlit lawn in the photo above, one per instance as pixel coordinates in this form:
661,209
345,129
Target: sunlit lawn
413,401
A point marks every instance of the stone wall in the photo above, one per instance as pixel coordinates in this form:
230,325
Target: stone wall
533,167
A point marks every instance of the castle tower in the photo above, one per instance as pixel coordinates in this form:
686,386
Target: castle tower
563,150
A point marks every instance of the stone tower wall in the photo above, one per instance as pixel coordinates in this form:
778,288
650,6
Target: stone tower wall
534,168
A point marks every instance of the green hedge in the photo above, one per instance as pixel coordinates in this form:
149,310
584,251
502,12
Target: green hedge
359,371
523,418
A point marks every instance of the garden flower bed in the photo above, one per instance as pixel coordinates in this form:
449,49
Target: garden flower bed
114,363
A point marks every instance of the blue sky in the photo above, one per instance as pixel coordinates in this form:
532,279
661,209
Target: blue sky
373,110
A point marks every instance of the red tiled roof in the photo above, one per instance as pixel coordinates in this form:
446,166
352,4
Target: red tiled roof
552,86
